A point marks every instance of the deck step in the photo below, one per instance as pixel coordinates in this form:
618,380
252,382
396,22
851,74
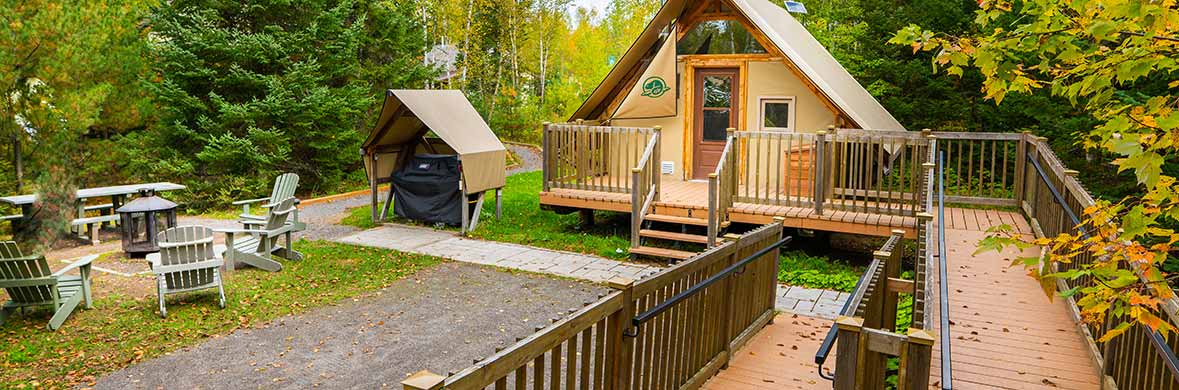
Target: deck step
662,252
673,236
675,219
681,220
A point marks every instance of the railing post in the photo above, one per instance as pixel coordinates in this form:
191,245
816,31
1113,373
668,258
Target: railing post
545,155
730,307
892,269
713,223
636,206
657,172
847,352
820,179
619,348
918,355
1021,160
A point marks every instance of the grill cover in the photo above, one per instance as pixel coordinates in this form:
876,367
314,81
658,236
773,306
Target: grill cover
427,189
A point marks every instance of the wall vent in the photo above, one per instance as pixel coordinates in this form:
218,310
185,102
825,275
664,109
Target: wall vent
667,167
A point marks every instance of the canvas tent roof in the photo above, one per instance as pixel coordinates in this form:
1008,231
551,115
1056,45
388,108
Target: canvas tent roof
407,116
789,37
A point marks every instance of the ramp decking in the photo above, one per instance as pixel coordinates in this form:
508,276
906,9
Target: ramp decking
1005,333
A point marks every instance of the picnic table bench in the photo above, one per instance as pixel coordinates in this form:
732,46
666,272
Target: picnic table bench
116,194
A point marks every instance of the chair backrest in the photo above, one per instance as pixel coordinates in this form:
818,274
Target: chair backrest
280,213
284,187
186,244
15,268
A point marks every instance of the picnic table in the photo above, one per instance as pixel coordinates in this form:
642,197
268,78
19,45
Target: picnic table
117,195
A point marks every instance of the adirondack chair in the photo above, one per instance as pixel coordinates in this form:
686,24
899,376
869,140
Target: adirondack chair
284,187
29,283
261,239
186,263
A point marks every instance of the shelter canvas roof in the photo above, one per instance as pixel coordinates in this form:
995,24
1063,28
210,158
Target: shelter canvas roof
407,115
790,37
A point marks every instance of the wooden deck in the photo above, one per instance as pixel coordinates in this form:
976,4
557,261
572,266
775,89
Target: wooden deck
1005,333
690,199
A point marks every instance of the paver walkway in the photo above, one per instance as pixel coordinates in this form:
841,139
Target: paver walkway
438,319
811,302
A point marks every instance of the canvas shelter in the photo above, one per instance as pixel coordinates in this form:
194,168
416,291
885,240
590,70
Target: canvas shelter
414,122
773,76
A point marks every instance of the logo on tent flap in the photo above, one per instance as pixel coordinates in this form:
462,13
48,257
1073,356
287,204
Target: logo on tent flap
654,87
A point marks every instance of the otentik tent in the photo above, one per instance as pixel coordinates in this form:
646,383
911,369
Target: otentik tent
436,122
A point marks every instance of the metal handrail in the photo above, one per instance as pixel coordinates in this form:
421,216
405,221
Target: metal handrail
1170,360
944,299
848,308
698,287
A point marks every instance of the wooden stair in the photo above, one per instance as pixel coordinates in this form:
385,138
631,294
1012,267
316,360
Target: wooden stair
662,252
673,236
664,235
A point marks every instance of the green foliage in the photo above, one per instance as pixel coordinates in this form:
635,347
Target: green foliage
797,268
525,223
1117,61
250,91
84,347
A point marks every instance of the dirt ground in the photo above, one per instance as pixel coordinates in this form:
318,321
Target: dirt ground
438,319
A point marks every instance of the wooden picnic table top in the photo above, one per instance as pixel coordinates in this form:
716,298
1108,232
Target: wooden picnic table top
126,189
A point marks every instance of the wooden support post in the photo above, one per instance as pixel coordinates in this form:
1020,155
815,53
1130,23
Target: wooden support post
423,380
1021,158
820,161
587,217
713,222
372,183
546,158
892,270
729,309
619,348
847,352
466,208
916,356
657,175
499,202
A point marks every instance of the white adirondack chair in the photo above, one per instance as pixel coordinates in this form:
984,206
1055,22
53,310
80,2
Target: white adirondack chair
29,283
284,187
261,239
186,263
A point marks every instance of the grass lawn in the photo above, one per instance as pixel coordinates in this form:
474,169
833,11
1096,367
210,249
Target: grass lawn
525,223
797,268
122,330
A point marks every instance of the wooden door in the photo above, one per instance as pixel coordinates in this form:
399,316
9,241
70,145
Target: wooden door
717,108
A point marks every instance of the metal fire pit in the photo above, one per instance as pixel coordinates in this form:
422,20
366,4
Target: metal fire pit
142,220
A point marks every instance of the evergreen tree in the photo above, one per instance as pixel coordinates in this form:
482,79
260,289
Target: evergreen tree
251,89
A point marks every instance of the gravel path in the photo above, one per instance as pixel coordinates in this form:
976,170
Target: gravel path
437,319
529,156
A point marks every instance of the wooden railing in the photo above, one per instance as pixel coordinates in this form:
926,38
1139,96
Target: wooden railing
1054,199
774,168
645,178
982,168
721,188
593,158
865,334
620,342
877,172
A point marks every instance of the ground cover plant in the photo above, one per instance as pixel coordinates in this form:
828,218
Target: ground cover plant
798,268
122,330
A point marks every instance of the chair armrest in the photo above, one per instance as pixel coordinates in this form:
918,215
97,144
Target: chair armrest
211,263
153,260
83,261
241,231
249,201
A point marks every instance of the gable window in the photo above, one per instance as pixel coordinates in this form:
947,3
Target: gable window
777,114
719,37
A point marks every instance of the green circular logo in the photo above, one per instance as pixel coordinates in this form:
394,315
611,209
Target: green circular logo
654,87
